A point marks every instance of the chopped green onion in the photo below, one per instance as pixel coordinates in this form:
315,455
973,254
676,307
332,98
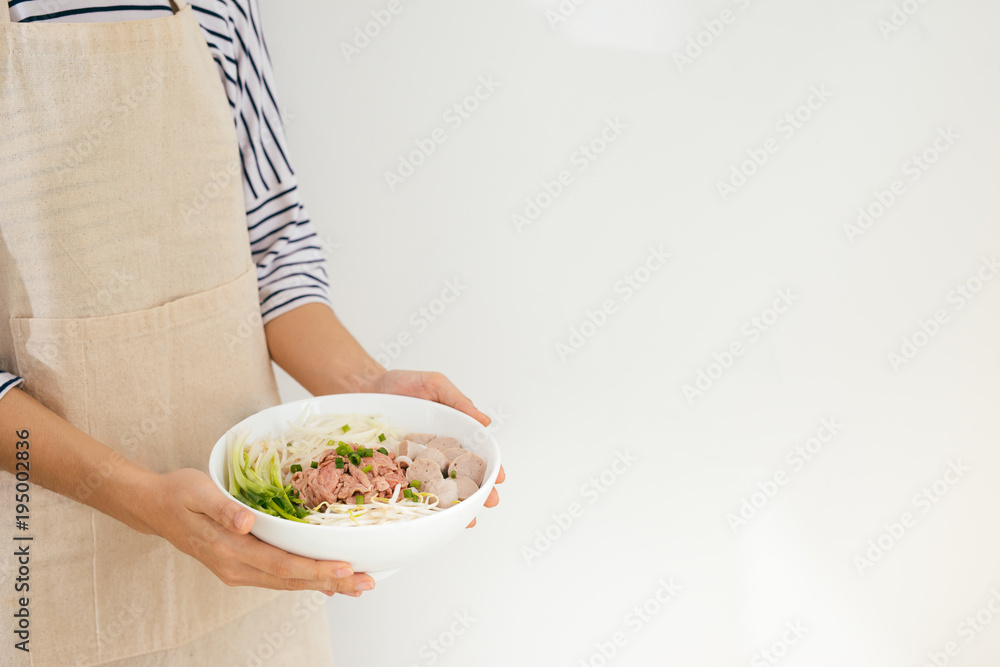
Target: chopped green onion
330,443
407,493
415,484
339,462
314,464
359,500
295,468
383,450
344,449
381,437
288,444
366,469
453,474
345,428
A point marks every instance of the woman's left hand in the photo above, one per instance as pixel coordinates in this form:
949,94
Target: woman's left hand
432,387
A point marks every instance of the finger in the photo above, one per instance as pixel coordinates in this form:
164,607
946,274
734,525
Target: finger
501,477
283,565
353,585
493,499
471,524
229,514
448,394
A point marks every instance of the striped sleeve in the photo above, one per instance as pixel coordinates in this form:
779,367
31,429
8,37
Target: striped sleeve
8,382
291,267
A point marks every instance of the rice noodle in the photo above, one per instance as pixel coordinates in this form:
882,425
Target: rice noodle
310,436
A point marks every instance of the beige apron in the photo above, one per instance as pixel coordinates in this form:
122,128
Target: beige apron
128,302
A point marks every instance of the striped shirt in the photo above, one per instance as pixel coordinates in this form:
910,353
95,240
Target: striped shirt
290,266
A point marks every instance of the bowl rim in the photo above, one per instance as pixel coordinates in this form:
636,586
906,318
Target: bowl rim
401,525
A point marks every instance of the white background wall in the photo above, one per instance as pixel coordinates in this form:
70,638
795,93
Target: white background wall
567,417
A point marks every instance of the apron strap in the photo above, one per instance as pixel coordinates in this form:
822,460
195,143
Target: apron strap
177,5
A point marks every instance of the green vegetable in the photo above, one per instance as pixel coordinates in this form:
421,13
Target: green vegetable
453,474
296,467
260,486
366,469
359,500
343,449
345,428
339,462
383,450
381,437
415,484
314,464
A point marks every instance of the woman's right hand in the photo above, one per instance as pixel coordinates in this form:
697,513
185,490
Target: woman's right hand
190,512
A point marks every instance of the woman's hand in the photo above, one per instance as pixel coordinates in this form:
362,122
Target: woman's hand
432,387
312,345
191,513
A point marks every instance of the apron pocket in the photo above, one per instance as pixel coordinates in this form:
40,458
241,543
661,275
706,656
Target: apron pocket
160,386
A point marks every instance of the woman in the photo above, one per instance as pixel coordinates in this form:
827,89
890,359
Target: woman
144,325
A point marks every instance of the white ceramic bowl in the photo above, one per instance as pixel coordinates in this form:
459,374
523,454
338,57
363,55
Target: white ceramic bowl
378,550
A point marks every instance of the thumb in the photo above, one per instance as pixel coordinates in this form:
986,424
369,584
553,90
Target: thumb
449,394
229,514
